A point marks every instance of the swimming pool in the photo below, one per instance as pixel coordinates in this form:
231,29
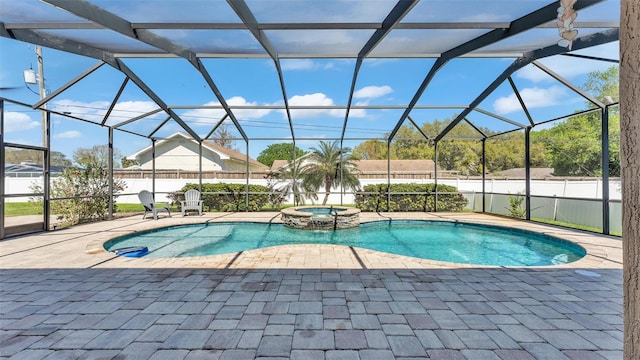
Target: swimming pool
444,241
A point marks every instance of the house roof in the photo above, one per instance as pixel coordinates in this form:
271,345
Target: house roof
277,164
224,153
232,154
395,165
27,167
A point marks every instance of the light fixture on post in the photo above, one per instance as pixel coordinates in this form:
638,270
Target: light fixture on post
30,77
566,17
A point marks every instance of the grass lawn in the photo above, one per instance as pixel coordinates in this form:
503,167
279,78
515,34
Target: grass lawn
27,208
22,208
574,226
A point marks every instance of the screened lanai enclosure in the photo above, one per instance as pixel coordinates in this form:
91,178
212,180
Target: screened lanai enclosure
513,105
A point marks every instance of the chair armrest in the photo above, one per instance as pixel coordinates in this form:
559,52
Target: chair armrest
162,205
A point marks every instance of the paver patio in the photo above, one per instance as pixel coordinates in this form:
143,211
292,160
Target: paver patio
62,298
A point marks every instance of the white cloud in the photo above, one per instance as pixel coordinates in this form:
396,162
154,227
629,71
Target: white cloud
305,64
244,114
71,134
295,64
369,92
212,116
533,98
320,100
317,99
15,121
130,109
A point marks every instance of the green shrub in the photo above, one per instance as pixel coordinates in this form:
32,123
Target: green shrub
83,194
409,197
515,208
227,197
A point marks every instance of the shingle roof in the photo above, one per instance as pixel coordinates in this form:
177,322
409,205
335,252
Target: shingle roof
233,154
395,165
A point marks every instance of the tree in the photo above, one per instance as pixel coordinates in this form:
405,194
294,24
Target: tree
409,144
128,163
224,138
329,166
604,85
372,150
289,180
59,159
16,156
630,139
574,146
280,151
506,151
97,155
463,156
83,194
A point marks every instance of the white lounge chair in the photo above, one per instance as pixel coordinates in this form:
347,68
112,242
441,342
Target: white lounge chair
146,198
191,201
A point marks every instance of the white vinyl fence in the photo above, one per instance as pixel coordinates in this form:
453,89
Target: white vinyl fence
584,189
547,201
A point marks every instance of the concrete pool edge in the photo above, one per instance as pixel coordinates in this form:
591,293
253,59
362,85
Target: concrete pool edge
601,251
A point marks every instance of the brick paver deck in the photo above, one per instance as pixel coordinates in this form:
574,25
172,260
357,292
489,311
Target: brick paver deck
62,299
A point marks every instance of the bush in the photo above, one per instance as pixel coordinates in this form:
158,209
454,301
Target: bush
515,208
409,197
83,193
227,197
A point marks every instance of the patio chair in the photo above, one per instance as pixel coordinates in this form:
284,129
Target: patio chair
146,198
191,201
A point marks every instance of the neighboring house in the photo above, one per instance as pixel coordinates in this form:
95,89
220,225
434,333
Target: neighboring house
407,169
397,168
181,152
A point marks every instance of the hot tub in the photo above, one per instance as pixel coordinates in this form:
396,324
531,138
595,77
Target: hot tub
318,217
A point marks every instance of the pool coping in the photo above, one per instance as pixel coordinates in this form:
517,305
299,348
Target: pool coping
602,251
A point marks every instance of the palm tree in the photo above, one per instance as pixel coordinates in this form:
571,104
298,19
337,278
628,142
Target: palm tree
288,180
330,165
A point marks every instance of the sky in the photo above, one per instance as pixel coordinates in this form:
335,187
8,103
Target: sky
309,82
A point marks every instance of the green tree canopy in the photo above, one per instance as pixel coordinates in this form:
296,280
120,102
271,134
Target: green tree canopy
127,163
573,146
372,150
279,151
604,85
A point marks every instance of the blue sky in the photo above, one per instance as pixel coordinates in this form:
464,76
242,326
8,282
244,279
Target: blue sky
254,82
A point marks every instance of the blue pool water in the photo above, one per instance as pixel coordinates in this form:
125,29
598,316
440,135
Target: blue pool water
320,210
444,241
